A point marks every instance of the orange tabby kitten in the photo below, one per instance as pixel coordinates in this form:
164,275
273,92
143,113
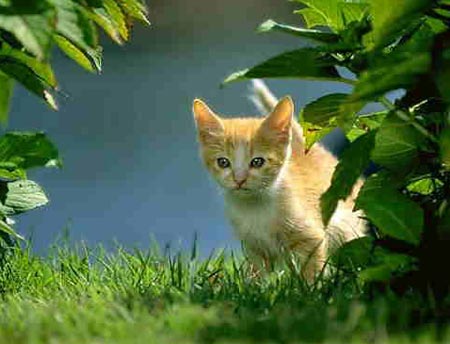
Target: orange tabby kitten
272,188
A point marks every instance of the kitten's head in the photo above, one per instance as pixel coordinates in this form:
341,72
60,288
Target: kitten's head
245,155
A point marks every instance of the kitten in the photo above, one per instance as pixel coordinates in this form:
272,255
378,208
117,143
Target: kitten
272,188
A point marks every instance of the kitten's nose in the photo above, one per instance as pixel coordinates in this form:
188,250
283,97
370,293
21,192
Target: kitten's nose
240,182
240,177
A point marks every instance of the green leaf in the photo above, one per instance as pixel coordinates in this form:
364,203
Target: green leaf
355,254
76,34
73,52
27,150
397,145
395,72
321,116
365,123
9,171
425,186
322,110
389,265
314,133
21,196
337,13
42,70
354,133
436,25
117,17
353,162
389,22
135,9
105,15
26,76
316,35
393,213
31,22
74,24
306,63
312,18
6,89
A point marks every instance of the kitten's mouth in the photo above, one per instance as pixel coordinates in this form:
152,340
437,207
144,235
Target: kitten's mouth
240,189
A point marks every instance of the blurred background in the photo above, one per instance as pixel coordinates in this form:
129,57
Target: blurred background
131,168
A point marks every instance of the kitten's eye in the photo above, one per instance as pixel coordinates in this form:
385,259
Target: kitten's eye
223,162
257,162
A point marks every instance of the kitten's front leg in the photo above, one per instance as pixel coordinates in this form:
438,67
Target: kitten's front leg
314,262
259,260
309,244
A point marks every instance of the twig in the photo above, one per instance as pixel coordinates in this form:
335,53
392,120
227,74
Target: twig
404,117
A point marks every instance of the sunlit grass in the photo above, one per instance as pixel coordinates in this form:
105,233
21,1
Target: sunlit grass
83,295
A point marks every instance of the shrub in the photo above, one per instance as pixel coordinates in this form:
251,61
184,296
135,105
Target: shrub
378,47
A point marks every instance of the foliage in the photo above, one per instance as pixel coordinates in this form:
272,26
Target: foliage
29,30
87,295
379,48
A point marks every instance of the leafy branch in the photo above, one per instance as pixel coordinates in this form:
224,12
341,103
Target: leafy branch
386,49
29,30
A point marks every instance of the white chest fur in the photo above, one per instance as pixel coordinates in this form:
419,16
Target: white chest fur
254,221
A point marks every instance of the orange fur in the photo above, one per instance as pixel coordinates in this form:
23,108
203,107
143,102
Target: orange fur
275,208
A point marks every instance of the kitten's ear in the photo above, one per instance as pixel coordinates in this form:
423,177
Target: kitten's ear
279,121
206,120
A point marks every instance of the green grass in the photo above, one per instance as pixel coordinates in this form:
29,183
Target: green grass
86,295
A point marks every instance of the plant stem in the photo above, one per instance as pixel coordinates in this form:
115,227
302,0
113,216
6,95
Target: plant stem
405,117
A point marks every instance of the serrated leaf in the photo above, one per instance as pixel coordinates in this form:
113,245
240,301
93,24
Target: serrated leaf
314,133
74,53
311,17
355,254
74,24
306,63
330,111
397,72
21,196
388,22
321,110
97,12
11,173
31,22
425,186
354,133
365,123
353,162
135,9
25,75
337,14
389,264
117,17
27,150
42,70
77,35
397,144
316,35
394,214
6,89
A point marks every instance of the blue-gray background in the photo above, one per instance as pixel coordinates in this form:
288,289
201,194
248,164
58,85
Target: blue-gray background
131,168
